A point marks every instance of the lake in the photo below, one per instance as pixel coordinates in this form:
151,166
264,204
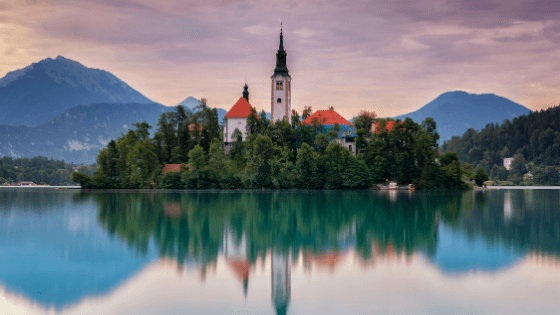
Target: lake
340,252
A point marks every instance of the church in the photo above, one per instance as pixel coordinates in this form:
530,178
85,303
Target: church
280,102
281,107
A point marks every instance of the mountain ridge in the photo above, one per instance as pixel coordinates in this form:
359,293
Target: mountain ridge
456,111
37,93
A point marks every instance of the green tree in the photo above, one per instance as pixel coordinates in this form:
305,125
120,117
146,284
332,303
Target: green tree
171,180
480,176
263,150
81,178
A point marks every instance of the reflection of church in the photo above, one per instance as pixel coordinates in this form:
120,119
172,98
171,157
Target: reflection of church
281,279
235,252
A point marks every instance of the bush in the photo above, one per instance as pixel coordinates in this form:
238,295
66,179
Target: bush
171,180
480,177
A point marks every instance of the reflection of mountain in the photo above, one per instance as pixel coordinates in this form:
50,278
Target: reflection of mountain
458,253
61,257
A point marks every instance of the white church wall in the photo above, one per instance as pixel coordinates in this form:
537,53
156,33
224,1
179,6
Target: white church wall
232,124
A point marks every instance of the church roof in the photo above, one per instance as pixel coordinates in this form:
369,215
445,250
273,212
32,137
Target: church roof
327,117
241,109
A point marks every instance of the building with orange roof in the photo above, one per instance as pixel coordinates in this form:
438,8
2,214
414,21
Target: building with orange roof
328,119
236,118
172,168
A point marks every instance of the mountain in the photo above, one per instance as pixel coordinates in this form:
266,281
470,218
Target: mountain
190,103
77,134
456,112
37,93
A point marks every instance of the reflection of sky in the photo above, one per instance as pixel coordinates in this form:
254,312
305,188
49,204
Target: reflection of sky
457,253
59,257
395,287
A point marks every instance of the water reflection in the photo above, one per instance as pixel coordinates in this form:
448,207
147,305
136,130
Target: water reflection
457,233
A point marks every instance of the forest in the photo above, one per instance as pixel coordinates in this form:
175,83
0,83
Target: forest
274,155
40,170
533,141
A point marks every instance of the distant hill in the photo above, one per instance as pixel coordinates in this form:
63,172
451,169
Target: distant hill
79,133
456,112
37,93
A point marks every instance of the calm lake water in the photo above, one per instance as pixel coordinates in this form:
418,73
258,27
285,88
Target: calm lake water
366,252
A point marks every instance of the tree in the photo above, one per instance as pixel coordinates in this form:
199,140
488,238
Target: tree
236,152
468,170
263,150
167,136
254,124
307,111
295,119
518,166
306,166
81,178
365,120
480,176
171,180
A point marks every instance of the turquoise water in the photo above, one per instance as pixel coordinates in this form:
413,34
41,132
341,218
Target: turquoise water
364,252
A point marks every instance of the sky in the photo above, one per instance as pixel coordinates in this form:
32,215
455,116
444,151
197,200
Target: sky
391,57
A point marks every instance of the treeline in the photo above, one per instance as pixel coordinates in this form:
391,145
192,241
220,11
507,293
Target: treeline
274,155
533,141
40,170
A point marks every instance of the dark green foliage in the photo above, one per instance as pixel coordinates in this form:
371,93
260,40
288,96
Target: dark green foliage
171,180
273,156
83,179
535,137
480,176
450,174
40,170
546,175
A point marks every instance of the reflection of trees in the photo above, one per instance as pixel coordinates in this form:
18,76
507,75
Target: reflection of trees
189,227
193,228
526,220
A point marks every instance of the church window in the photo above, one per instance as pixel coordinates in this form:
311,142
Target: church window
279,100
279,85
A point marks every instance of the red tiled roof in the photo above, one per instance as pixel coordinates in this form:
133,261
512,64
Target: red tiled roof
171,168
240,269
241,109
192,126
326,117
389,126
172,210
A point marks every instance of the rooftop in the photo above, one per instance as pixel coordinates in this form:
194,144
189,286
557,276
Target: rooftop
326,117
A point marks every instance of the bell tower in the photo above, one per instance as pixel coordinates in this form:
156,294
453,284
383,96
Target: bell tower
281,91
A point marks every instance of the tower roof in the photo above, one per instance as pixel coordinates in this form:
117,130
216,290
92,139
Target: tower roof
327,117
241,109
281,67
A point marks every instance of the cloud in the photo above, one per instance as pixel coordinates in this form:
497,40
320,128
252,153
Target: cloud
396,54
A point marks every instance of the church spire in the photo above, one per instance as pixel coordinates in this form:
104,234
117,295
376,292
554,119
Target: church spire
281,48
281,67
246,92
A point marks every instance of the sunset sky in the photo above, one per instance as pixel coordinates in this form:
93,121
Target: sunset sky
388,56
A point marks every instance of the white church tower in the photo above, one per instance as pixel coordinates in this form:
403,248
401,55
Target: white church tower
281,100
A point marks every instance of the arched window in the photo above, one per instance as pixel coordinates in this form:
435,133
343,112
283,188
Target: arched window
279,100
